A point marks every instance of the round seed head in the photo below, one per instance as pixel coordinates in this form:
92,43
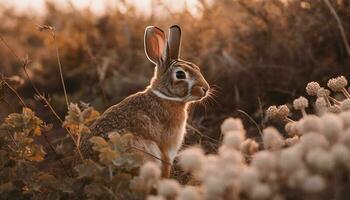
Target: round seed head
150,171
230,156
291,141
291,128
231,124
312,88
249,147
332,126
261,192
310,123
248,179
233,139
337,84
300,103
313,140
334,109
272,112
298,177
264,162
345,138
345,105
168,188
323,92
152,197
279,113
345,116
314,184
189,193
283,111
321,103
341,154
290,159
191,159
272,139
320,160
214,187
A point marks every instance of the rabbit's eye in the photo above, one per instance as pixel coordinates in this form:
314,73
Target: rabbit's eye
180,75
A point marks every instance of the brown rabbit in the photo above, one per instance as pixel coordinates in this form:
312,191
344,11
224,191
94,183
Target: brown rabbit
157,116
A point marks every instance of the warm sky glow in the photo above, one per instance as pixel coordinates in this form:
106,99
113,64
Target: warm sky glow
97,6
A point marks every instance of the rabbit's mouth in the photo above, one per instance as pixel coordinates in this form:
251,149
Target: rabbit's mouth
198,93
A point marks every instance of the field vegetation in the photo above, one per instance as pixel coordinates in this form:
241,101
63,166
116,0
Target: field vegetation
60,70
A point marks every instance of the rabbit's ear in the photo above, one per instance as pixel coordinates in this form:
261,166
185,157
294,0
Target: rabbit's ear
154,42
174,41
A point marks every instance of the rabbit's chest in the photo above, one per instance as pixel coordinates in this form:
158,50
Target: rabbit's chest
175,139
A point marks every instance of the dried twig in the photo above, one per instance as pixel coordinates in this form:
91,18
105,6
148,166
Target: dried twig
252,120
52,31
163,161
25,62
15,92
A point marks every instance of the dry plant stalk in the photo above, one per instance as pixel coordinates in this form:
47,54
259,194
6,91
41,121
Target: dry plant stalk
25,62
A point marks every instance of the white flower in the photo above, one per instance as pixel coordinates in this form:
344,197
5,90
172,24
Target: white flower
233,139
345,138
314,184
191,159
272,139
261,192
312,88
312,141
249,147
150,171
345,104
310,123
300,103
214,187
290,159
189,193
230,156
337,84
332,126
298,177
341,154
291,128
249,178
291,141
231,124
168,188
322,92
345,116
264,162
320,160
151,197
321,105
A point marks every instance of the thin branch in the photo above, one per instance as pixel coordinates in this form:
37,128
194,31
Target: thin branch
60,68
24,67
16,93
252,120
340,26
202,135
163,161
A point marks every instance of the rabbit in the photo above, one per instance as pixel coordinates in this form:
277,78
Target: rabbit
157,116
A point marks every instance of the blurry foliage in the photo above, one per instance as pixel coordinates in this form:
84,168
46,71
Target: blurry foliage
247,49
22,176
254,53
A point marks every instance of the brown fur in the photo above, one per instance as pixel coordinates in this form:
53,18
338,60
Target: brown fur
156,121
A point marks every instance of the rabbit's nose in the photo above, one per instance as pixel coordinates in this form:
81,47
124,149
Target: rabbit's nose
205,90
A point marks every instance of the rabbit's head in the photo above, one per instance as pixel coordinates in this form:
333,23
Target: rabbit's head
174,79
